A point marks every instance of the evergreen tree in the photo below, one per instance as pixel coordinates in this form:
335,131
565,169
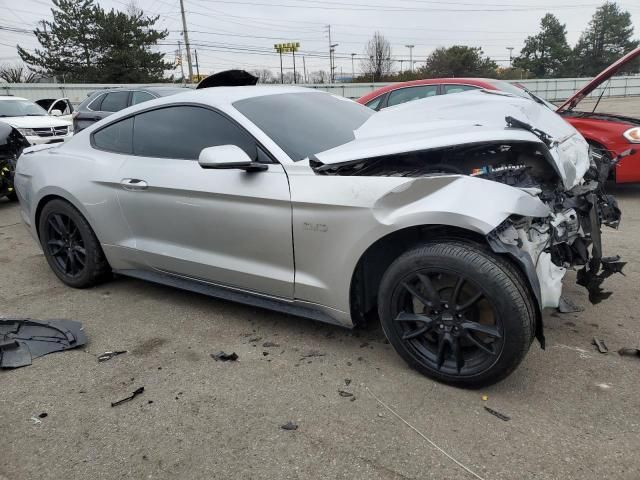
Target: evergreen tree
84,43
459,61
68,42
124,41
608,37
546,54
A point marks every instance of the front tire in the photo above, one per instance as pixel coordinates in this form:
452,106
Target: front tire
456,313
70,246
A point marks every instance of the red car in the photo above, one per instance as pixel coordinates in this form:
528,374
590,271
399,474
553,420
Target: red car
609,133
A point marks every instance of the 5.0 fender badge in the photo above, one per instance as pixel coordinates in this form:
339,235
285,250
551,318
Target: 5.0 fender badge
315,227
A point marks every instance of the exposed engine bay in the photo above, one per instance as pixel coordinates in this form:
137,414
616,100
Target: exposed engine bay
11,145
568,238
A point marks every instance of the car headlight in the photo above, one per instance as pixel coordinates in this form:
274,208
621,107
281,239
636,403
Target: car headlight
27,132
70,128
633,135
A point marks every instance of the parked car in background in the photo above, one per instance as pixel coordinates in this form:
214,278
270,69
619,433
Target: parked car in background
456,232
57,107
609,134
33,121
102,103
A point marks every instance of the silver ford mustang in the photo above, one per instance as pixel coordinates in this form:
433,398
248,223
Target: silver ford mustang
453,222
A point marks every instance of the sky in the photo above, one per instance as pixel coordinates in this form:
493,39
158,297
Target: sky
242,33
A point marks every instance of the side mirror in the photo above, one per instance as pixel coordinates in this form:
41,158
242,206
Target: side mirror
228,157
56,113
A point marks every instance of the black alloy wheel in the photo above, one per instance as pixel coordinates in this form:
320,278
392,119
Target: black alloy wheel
70,245
456,312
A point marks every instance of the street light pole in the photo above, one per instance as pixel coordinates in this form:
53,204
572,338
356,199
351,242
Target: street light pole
410,47
332,54
373,70
353,70
510,55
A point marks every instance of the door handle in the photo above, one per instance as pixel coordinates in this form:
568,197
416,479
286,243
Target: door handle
133,184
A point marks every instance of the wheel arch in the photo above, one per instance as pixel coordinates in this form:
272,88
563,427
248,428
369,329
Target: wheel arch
57,195
377,258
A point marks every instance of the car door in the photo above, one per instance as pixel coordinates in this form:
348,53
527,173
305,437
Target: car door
229,227
101,107
65,107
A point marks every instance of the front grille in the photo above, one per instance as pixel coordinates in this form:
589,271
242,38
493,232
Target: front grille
51,131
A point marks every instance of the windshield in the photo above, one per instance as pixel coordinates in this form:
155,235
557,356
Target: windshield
303,124
20,108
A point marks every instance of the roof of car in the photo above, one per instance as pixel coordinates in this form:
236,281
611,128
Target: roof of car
480,82
11,97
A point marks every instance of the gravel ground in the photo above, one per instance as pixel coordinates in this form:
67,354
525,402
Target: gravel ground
574,412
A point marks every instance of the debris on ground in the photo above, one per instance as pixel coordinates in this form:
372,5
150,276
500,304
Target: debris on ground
109,355
22,340
225,357
270,344
501,416
347,381
629,352
43,415
35,421
342,393
137,392
600,345
484,397
567,306
289,426
313,353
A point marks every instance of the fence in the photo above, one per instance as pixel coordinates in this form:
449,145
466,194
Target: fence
549,89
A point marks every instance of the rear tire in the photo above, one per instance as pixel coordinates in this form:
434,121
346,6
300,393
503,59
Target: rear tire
13,197
457,313
70,246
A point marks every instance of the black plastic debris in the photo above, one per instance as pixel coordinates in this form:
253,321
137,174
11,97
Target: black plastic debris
224,357
270,344
109,355
600,345
629,352
342,393
289,426
43,415
499,415
228,78
137,392
22,340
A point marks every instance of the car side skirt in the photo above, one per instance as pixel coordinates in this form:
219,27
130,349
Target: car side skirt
298,308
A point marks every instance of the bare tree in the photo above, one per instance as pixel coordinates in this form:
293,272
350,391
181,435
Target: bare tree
318,77
264,76
17,74
377,62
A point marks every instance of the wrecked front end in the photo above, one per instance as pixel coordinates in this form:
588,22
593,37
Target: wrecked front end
12,143
564,175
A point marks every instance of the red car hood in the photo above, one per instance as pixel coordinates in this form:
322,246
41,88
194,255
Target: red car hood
603,76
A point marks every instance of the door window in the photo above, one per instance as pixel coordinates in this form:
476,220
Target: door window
409,94
458,88
375,103
116,137
181,132
139,97
115,101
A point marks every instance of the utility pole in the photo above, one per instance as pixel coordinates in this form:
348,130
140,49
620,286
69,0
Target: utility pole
410,47
353,70
195,53
304,66
510,55
401,61
180,60
186,40
330,56
373,69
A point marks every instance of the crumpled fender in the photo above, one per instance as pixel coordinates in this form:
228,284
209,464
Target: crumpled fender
462,201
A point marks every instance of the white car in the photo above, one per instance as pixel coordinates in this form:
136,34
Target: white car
32,121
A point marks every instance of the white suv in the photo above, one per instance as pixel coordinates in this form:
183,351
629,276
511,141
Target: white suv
33,122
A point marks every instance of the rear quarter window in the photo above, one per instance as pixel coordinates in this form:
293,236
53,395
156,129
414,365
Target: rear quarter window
117,137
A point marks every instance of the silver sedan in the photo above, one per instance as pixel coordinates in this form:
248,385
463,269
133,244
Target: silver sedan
451,222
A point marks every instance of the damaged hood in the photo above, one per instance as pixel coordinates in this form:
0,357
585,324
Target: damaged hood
465,118
598,80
